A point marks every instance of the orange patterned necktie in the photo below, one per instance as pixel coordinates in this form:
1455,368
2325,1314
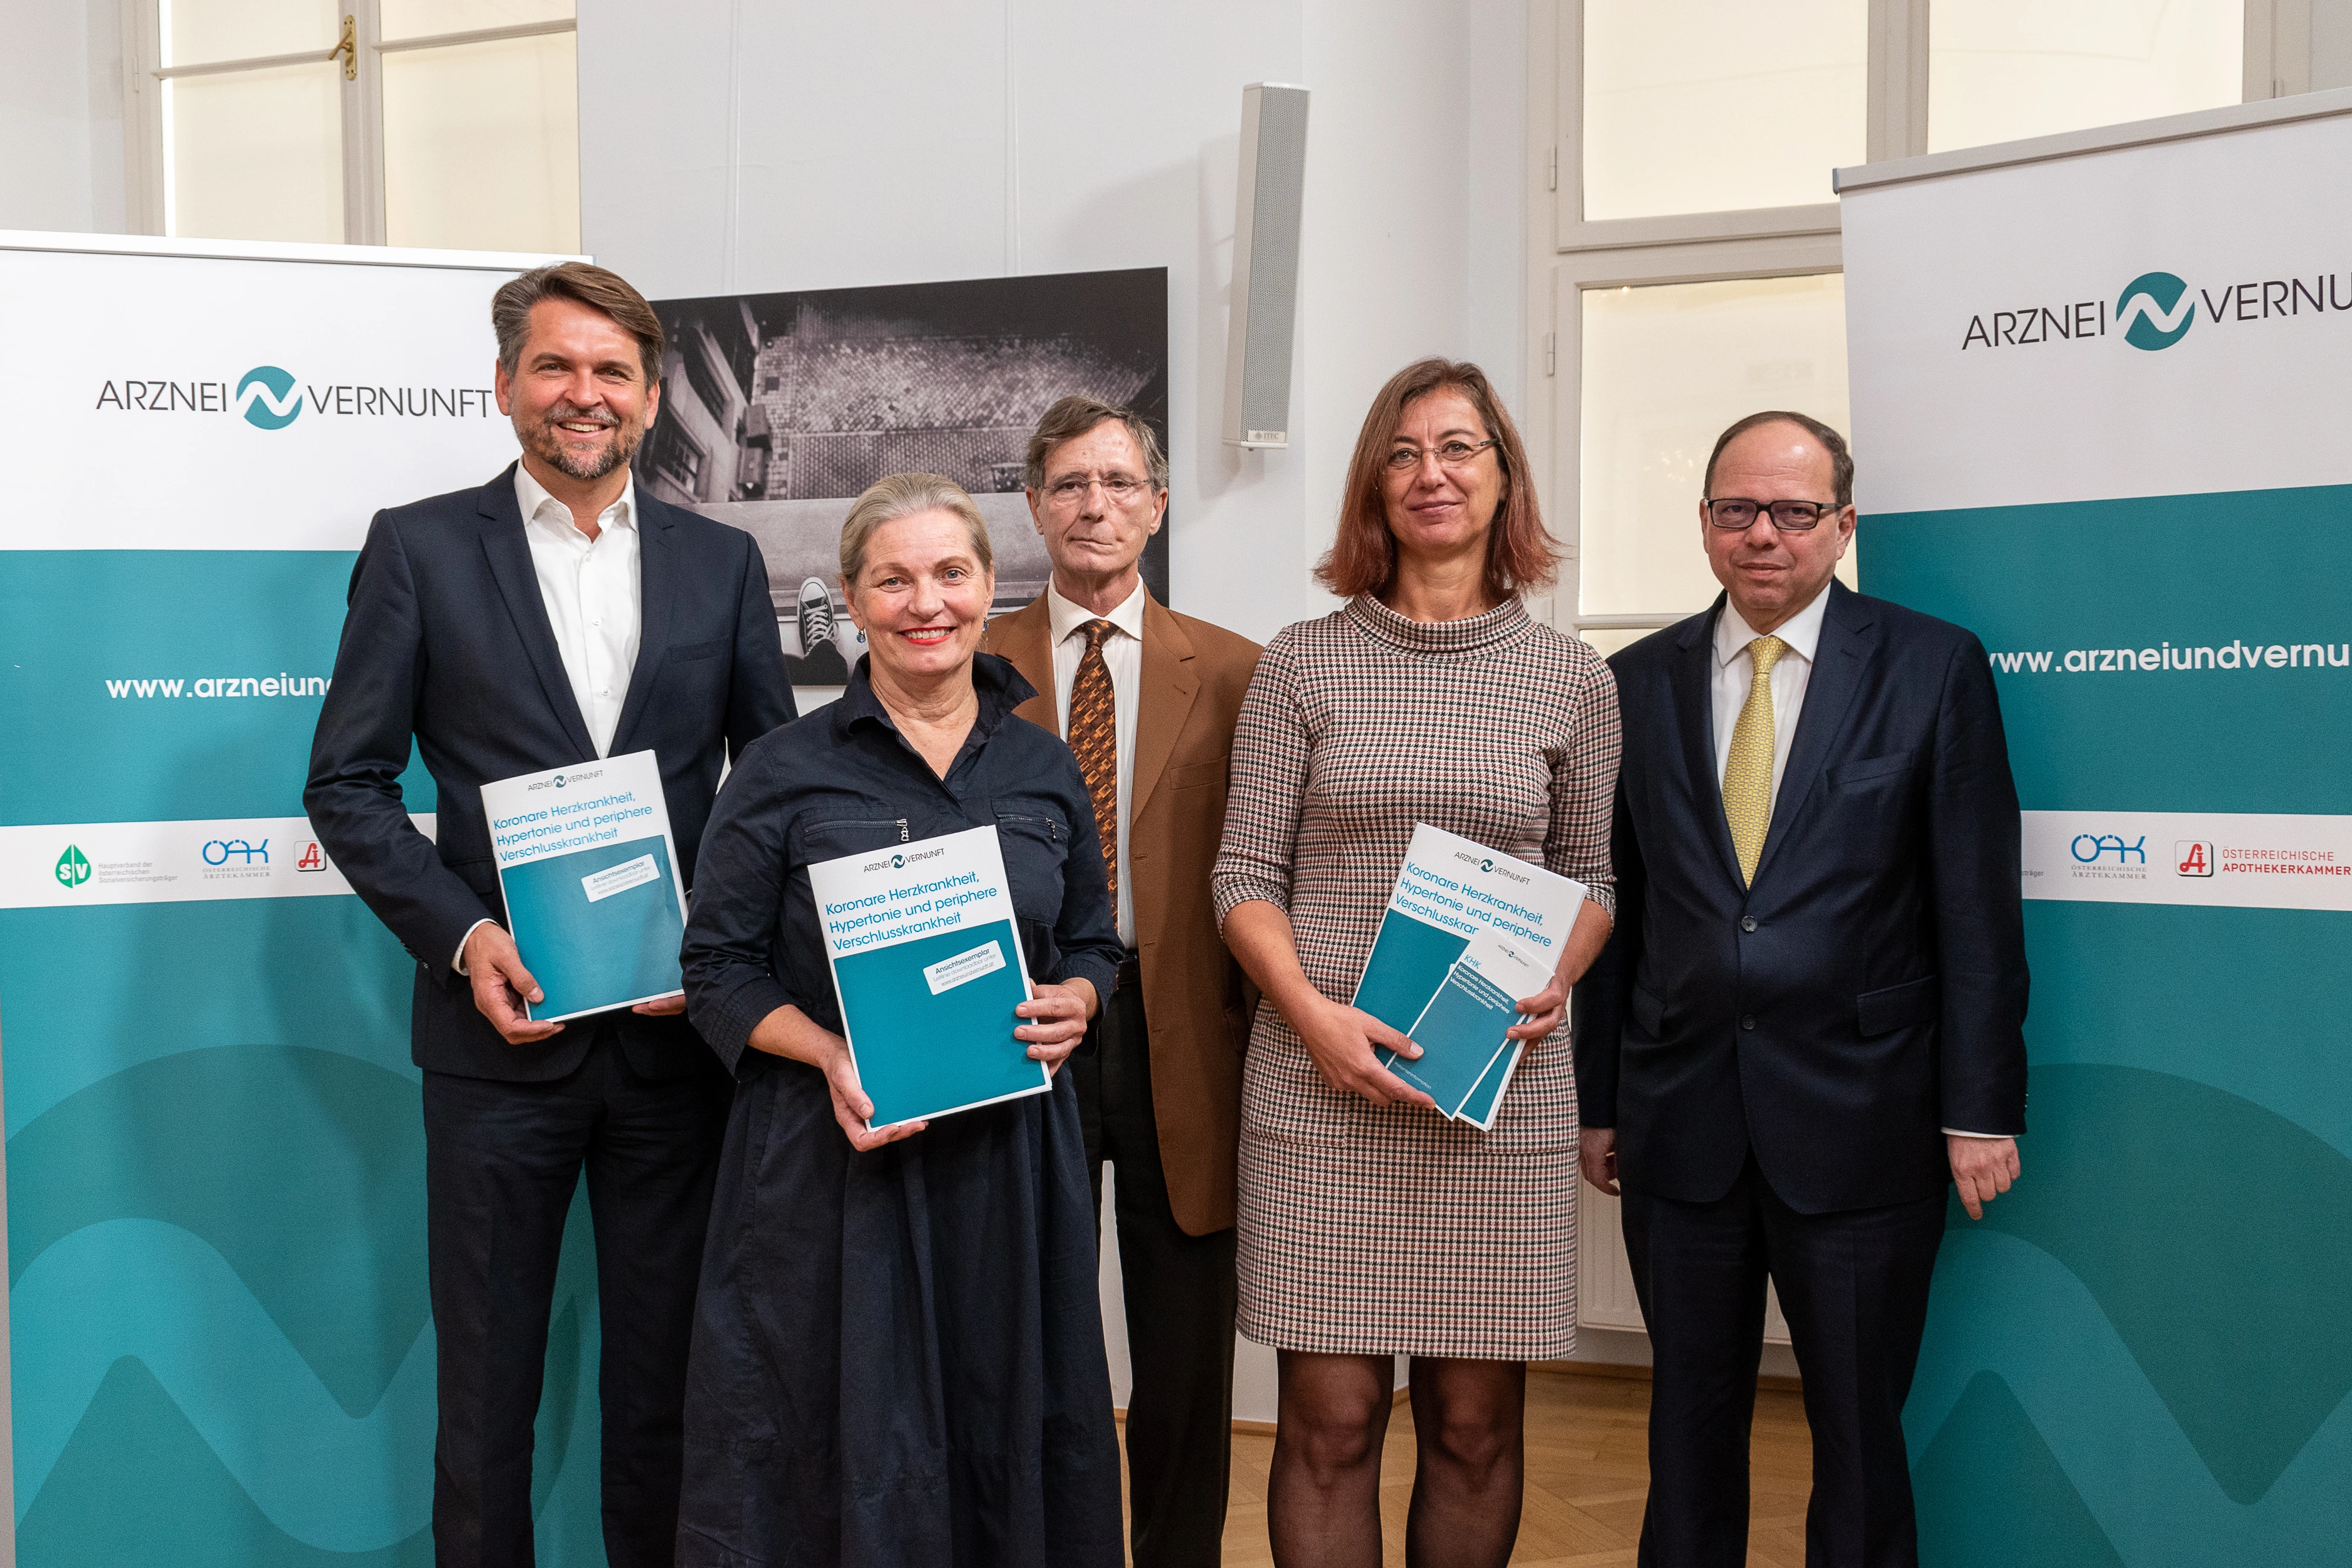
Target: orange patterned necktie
1094,737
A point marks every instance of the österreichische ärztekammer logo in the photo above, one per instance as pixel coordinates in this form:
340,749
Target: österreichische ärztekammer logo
267,395
2155,310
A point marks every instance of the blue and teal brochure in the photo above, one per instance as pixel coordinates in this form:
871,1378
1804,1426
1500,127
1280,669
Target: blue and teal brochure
1462,1029
928,966
1487,1098
1448,890
590,876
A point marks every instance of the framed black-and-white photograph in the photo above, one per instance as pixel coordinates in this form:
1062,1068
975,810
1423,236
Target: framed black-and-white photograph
778,408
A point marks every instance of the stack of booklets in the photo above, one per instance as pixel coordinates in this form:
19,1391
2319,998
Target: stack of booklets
1469,933
928,966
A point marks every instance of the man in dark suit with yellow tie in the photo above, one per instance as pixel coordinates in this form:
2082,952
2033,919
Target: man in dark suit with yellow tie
1147,699
1808,1025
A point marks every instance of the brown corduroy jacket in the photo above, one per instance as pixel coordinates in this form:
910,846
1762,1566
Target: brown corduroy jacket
1194,998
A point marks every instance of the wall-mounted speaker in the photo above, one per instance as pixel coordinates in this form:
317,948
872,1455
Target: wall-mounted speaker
1265,265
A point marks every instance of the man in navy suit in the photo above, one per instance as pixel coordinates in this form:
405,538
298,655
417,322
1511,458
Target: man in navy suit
551,617
1809,1022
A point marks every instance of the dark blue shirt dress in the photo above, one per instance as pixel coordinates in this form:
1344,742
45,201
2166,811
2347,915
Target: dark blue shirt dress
898,1355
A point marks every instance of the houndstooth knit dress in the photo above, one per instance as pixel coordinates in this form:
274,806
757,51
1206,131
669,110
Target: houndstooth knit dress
1366,1229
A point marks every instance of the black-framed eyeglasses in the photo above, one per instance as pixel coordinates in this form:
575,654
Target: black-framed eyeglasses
1449,455
1790,516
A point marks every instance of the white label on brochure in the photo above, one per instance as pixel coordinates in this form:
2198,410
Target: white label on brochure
948,973
1508,966
603,884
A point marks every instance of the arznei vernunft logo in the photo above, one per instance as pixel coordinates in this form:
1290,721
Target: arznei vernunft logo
273,402
2154,310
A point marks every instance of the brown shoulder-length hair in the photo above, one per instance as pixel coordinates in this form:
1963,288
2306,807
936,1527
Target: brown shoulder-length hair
1363,558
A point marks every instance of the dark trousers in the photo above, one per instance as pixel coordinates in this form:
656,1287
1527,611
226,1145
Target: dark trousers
1179,1305
502,1162
1853,1286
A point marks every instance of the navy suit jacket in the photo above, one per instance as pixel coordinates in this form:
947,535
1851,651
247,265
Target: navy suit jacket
1869,989
447,641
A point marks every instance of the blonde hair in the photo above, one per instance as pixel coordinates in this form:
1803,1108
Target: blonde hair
903,495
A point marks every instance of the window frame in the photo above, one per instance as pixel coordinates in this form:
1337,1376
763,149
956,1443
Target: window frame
364,221
1569,254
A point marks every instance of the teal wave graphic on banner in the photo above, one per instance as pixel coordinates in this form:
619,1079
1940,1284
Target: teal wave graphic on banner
2155,310
182,1508
2025,1515
2004,1307
304,1169
2248,1352
2149,1304
326,1479
237,1234
268,397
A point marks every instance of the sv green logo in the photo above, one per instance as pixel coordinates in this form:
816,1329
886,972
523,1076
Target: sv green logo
73,867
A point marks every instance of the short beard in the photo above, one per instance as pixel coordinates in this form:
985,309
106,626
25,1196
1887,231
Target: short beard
549,448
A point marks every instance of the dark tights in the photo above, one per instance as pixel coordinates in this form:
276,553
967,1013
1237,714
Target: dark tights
1323,1497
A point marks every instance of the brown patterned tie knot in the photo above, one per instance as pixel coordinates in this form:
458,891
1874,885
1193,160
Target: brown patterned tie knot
1094,739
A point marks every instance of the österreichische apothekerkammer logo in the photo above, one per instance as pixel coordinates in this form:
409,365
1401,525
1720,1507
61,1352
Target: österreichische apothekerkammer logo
268,397
2155,310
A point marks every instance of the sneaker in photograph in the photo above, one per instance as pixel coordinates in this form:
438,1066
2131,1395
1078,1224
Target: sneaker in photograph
816,616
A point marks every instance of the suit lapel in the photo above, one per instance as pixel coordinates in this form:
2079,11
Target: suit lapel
657,593
1027,639
1839,661
1694,691
1163,695
509,553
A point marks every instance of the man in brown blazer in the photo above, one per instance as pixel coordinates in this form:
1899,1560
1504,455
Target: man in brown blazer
1147,699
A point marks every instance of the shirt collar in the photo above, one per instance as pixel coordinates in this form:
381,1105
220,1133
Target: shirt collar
1802,631
1067,618
533,496
999,685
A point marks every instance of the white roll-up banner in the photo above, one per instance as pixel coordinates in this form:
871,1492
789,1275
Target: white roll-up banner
220,1345
2103,418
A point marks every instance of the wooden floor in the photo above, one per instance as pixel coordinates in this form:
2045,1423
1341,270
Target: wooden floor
1587,1475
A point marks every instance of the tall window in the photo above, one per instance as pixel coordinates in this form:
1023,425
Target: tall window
1694,258
450,123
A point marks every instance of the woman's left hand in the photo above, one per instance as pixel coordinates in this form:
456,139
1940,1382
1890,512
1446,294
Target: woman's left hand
1546,1009
1057,1016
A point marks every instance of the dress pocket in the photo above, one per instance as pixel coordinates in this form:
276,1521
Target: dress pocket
831,838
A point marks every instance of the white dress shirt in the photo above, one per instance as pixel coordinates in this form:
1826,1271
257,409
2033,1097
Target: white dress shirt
1735,671
591,588
1123,654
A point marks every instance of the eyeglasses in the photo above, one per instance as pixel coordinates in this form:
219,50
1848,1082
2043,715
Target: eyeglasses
1118,488
1449,455
1788,516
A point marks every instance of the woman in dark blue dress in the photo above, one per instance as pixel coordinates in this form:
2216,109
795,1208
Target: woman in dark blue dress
898,1349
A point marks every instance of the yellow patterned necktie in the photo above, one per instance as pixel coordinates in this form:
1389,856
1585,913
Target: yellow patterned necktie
1094,739
1748,777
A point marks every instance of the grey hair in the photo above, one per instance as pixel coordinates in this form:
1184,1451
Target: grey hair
1074,416
902,495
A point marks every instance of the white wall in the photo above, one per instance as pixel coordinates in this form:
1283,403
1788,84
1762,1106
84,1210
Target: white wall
730,147
61,116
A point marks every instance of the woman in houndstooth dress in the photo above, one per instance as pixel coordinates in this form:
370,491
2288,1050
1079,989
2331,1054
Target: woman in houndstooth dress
1370,1226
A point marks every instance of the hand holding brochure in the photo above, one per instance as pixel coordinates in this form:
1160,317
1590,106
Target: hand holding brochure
587,867
1464,1028
927,964
1449,889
